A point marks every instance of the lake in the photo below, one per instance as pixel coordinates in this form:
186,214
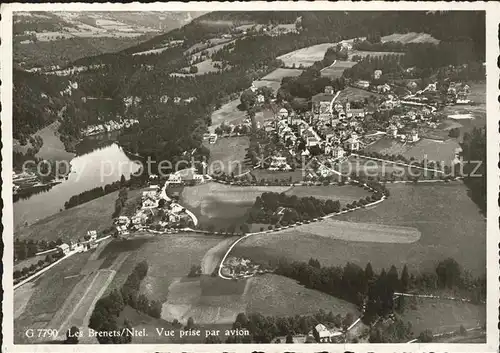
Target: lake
99,161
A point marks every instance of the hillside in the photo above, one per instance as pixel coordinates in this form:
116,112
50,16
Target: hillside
126,85
56,38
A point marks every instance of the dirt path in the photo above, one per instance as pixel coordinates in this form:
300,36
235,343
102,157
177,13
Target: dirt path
214,255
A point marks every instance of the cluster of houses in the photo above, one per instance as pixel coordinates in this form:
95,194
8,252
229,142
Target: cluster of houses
239,268
188,176
108,126
157,211
319,334
459,93
76,247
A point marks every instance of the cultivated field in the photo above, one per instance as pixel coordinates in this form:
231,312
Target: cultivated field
345,194
449,222
222,205
363,232
278,74
74,223
228,155
337,69
305,56
410,37
442,316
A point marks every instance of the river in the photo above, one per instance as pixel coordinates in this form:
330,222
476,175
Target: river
99,161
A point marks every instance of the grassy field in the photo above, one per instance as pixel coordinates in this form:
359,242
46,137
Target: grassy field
274,85
222,205
449,222
36,305
362,232
276,295
74,223
211,42
430,149
354,94
410,37
337,69
204,67
305,56
228,155
278,74
442,316
228,113
345,194
273,175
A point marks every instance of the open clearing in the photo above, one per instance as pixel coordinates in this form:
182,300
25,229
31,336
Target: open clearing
274,85
442,316
204,67
228,155
306,56
278,74
345,194
222,205
425,148
228,113
74,223
449,222
411,37
365,232
337,69
209,43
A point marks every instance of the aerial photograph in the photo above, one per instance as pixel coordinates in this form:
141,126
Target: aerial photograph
249,177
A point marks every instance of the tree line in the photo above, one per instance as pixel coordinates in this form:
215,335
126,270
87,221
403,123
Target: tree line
105,315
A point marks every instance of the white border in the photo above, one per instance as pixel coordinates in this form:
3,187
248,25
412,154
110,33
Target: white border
493,114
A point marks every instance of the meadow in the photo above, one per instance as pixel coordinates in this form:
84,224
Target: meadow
345,194
355,94
423,149
449,222
228,113
410,37
442,316
73,224
274,85
223,205
305,56
337,69
228,155
278,74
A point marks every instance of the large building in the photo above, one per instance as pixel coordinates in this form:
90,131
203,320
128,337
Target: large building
322,105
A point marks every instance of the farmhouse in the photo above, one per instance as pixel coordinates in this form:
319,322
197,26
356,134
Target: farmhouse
324,335
363,84
63,249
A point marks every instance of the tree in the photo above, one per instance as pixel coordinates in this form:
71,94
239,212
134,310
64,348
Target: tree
425,336
405,279
289,338
462,331
448,273
193,69
369,272
248,99
72,335
190,323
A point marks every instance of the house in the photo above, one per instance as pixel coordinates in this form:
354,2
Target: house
383,88
338,152
414,135
352,143
363,84
283,113
260,98
279,163
92,235
392,131
63,249
412,85
324,335
212,138
355,113
377,74
322,104
174,179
